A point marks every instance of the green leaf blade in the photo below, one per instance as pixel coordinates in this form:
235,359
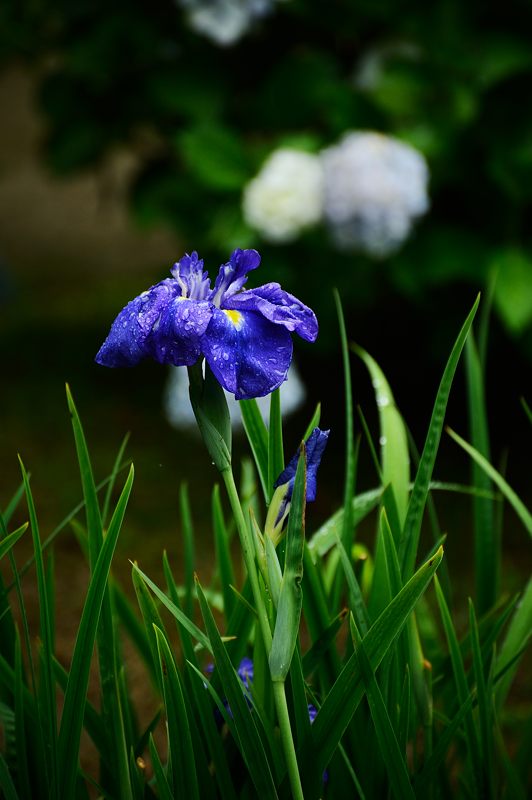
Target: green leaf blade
181,617
340,704
11,539
487,544
257,435
248,737
517,504
286,629
181,753
72,718
47,705
418,498
395,459
275,440
388,743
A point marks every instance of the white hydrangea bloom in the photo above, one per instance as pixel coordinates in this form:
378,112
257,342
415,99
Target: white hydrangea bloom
178,410
286,196
224,22
375,187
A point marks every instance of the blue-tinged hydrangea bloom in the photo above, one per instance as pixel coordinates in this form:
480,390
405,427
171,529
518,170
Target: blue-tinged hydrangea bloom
224,22
314,447
375,188
245,336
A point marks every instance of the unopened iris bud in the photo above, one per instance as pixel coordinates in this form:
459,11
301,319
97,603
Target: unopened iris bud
284,485
314,447
278,513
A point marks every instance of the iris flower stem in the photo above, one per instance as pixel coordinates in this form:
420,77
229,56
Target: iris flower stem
287,740
249,560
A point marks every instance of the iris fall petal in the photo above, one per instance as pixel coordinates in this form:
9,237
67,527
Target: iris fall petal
131,336
278,307
248,355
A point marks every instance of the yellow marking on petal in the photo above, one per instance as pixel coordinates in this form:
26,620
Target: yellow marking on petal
234,316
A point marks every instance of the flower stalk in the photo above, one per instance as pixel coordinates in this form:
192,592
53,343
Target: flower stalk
279,693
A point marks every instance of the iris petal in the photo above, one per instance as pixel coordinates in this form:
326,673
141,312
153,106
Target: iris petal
188,272
233,275
245,671
314,447
177,339
248,355
129,340
278,307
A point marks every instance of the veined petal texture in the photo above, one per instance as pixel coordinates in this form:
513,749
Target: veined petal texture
233,275
314,448
177,340
278,307
248,355
130,338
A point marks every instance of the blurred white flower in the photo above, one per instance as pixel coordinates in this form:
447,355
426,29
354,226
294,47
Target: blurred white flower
178,410
286,196
374,189
224,21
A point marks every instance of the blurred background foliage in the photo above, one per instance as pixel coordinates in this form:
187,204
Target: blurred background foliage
451,78
198,119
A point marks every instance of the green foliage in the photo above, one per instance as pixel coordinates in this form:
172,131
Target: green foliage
388,722
215,156
513,299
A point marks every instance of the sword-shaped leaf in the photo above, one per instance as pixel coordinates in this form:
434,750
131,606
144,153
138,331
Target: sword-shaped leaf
290,596
344,697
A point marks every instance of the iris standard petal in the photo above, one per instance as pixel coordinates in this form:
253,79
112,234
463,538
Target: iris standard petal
314,447
278,307
248,355
233,275
188,272
129,340
176,338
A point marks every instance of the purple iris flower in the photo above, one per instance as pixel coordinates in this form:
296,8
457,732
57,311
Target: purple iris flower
245,336
245,673
312,714
314,447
